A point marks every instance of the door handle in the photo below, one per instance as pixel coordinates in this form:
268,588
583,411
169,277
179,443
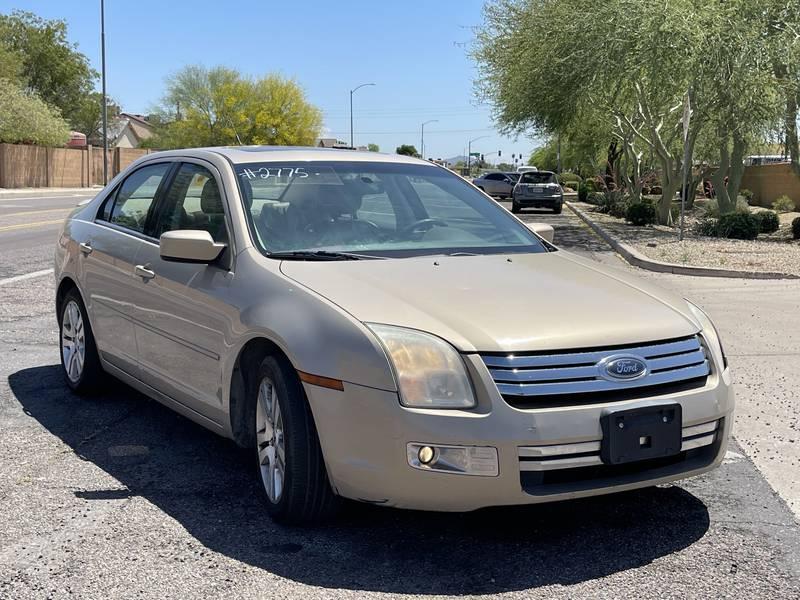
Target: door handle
143,272
86,248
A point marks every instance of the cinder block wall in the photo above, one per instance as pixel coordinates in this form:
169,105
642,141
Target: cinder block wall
769,182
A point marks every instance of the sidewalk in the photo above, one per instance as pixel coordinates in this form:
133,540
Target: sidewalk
48,191
658,249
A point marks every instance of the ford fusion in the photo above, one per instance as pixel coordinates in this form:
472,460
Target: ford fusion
374,327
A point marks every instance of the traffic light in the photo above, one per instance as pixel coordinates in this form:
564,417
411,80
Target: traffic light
499,153
481,157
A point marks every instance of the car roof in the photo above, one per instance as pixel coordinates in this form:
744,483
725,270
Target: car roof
255,154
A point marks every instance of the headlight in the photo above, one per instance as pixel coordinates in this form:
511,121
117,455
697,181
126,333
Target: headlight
710,333
429,371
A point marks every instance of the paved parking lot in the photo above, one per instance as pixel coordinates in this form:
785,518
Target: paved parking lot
117,496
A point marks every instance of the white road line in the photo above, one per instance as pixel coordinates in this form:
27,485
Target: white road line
17,278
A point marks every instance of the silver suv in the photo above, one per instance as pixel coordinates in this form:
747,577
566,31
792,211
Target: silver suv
373,327
537,189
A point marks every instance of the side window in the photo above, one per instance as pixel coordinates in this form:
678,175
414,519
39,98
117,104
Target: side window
136,196
493,177
193,201
104,214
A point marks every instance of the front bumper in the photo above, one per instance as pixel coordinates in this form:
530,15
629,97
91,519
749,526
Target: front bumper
364,434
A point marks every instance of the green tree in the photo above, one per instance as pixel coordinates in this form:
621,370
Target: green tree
89,117
503,166
50,66
407,150
373,148
218,106
26,119
627,76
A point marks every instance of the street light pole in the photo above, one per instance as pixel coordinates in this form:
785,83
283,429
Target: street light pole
469,152
352,145
105,101
422,137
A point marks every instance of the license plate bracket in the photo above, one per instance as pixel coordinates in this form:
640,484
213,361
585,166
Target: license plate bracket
642,433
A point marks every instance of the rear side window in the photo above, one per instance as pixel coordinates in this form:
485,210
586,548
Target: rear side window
136,197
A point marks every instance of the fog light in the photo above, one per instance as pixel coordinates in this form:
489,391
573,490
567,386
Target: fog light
425,455
462,460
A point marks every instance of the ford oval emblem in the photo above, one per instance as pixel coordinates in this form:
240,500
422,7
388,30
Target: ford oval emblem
623,366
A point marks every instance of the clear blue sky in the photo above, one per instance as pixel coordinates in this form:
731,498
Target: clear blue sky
414,51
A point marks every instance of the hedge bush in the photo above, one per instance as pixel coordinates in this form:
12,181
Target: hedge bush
597,198
747,195
738,226
641,213
768,220
796,228
783,204
711,209
567,178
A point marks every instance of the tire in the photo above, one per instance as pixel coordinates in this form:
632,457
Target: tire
80,361
557,208
515,208
289,462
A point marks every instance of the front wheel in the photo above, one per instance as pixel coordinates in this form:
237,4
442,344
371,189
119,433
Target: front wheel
290,464
80,361
515,208
557,208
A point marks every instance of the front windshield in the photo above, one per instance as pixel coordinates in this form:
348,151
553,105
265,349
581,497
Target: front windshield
538,177
374,209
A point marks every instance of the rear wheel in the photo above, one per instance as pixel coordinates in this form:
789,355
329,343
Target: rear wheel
290,464
80,361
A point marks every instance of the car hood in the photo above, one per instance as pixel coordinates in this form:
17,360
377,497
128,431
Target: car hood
501,303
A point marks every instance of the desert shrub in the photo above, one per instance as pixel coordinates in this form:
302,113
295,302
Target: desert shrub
796,228
747,195
583,192
712,208
641,213
783,204
592,185
597,198
768,221
706,227
569,179
738,226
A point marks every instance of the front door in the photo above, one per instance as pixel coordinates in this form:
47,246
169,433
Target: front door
182,321
107,256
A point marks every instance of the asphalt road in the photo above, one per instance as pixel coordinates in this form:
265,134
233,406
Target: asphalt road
116,496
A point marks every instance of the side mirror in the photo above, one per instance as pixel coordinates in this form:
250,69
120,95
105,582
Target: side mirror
189,245
543,230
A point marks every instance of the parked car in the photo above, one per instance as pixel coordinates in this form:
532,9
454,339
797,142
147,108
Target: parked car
537,189
336,312
499,185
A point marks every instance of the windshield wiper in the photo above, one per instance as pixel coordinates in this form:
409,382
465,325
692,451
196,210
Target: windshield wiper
319,255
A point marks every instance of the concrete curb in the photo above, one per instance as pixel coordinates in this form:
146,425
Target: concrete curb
635,258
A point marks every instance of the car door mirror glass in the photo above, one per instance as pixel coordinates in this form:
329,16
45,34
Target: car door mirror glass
543,230
189,245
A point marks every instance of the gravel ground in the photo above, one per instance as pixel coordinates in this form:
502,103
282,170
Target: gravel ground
773,253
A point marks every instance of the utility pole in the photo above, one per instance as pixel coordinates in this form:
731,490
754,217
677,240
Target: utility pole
422,137
358,87
105,101
687,114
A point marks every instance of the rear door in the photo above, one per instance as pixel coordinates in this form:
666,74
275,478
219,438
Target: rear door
108,257
182,320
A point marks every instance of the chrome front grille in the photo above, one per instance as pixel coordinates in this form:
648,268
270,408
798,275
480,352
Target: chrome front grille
580,373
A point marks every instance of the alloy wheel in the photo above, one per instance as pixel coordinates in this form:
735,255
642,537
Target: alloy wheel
270,440
73,341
